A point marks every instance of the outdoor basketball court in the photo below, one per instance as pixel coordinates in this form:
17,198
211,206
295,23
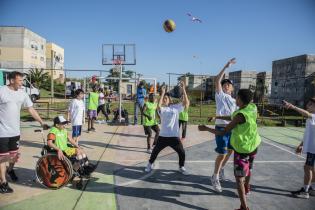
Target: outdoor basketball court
120,183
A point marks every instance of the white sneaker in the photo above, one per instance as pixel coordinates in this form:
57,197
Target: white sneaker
216,184
149,151
148,168
183,170
221,175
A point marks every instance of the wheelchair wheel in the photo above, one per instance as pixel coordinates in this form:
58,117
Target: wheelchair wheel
52,172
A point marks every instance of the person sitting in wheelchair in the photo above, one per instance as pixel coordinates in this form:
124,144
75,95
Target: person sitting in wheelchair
58,139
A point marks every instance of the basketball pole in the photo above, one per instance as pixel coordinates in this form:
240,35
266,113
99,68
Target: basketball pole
120,78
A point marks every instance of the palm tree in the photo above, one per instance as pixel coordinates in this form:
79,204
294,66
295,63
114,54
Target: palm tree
37,76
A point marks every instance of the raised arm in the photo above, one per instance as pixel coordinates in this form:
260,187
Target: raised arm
218,78
161,98
303,112
186,102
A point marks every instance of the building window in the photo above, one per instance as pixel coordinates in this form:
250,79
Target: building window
42,47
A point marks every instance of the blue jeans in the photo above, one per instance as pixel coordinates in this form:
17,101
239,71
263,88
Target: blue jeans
139,105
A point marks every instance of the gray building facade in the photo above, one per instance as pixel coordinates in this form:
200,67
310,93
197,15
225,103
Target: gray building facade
293,79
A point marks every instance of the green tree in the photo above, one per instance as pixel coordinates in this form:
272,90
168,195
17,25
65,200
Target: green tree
38,76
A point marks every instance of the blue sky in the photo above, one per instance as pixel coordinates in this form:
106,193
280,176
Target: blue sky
256,32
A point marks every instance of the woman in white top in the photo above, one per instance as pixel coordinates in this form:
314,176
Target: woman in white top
169,134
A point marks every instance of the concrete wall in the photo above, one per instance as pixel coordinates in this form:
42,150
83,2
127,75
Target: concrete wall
289,79
21,48
57,52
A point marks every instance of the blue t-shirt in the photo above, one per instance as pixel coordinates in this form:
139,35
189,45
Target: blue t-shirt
141,92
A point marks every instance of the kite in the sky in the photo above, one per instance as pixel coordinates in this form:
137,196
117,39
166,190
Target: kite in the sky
194,19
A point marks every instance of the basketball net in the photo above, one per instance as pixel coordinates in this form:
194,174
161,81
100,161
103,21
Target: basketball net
116,64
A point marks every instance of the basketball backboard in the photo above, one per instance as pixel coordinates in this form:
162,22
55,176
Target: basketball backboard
126,53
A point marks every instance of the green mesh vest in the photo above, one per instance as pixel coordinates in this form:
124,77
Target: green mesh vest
184,115
150,110
245,137
93,101
61,138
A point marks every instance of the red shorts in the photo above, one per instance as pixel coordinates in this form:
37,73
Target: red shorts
243,163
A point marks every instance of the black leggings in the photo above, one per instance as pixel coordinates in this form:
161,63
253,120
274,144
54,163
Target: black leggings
103,109
173,142
184,127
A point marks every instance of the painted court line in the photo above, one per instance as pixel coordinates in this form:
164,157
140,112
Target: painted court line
281,148
213,161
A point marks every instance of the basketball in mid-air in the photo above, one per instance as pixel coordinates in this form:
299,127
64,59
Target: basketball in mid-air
169,25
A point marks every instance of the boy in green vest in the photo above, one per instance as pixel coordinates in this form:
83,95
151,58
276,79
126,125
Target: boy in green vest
150,121
244,140
92,108
58,139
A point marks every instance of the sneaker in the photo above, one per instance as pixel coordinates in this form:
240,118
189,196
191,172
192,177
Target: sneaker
311,191
216,184
247,189
301,193
183,170
5,188
241,208
93,129
12,175
221,175
149,151
148,168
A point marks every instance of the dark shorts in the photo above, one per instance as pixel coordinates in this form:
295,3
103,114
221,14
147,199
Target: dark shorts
92,114
243,163
9,145
223,142
310,159
148,129
76,130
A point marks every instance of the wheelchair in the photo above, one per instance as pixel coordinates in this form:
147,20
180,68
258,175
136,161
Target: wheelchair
53,173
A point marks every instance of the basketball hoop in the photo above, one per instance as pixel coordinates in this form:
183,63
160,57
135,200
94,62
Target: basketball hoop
117,62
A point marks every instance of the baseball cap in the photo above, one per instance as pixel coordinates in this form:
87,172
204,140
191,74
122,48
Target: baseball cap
60,120
226,81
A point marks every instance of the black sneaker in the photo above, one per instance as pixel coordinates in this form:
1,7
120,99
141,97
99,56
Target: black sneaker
301,193
5,188
12,175
92,129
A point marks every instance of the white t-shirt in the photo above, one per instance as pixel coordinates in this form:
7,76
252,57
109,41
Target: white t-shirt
169,120
11,102
309,136
101,100
225,106
76,109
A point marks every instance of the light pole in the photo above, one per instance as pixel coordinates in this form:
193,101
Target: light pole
52,74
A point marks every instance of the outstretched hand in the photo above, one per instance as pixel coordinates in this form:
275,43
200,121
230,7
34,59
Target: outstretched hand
287,105
202,128
230,62
210,119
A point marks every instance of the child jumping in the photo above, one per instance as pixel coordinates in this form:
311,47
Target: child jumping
308,147
244,141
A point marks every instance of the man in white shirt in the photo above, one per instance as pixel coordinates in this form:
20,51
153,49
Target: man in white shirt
225,106
12,98
169,133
